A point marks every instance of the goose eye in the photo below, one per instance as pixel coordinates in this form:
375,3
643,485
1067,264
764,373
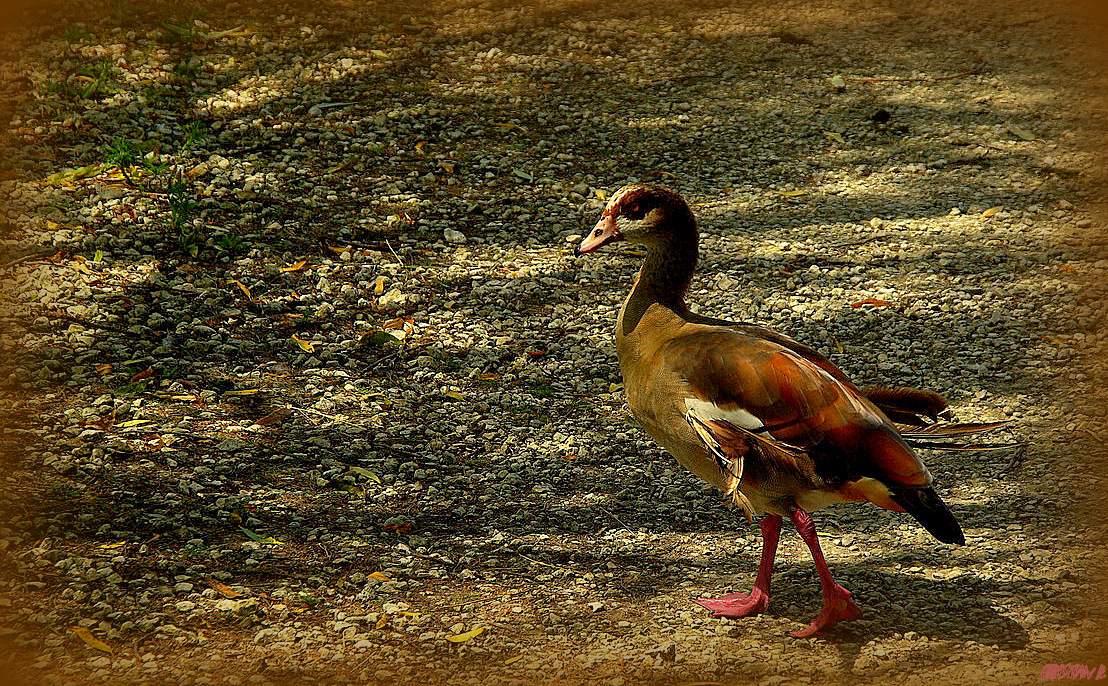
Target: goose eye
635,212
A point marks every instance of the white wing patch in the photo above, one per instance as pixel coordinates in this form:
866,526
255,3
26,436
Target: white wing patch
737,416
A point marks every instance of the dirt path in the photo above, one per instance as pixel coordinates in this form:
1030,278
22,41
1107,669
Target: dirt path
301,381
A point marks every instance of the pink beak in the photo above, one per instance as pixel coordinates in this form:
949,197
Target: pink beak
606,231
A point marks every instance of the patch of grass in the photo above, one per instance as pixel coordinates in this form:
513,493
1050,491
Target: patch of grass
151,171
75,33
541,390
63,490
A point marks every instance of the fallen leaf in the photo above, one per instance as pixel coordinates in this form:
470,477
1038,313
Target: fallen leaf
379,285
523,175
224,590
399,528
447,167
379,53
791,194
1021,132
382,621
488,377
98,256
113,546
871,301
537,353
838,82
278,415
377,339
244,289
71,175
379,576
303,345
339,250
319,107
80,266
600,194
104,369
294,268
406,613
90,640
837,137
511,660
614,387
144,374
991,211
420,146
134,422
367,474
455,395
461,638
243,391
268,540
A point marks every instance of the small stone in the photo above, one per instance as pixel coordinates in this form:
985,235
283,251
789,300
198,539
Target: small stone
454,236
185,606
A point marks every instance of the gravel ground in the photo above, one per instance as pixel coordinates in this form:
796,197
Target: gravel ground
318,386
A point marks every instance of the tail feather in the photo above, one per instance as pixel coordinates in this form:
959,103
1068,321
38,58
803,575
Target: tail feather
910,406
929,510
951,436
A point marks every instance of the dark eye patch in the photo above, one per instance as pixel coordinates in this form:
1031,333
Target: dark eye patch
635,211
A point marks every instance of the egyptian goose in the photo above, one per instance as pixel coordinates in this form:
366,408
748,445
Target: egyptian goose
772,423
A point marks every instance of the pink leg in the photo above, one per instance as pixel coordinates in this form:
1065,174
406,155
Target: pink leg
735,605
837,605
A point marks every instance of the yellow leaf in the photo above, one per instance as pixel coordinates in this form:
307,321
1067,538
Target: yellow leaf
134,422
461,638
379,285
448,167
835,137
90,640
243,288
380,576
379,53
113,546
304,345
71,175
98,256
104,369
455,395
510,660
382,621
600,194
613,387
420,146
294,268
838,82
791,194
991,211
1021,132
244,391
406,613
269,540
80,266
339,251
